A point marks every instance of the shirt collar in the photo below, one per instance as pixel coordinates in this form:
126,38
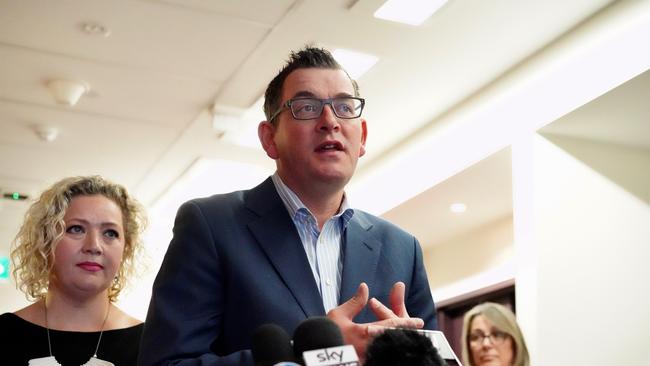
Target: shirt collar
293,203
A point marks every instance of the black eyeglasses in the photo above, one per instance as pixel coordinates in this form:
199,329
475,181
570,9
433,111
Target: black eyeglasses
497,338
312,108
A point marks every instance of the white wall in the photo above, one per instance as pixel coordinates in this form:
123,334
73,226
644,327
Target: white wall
627,166
583,242
10,298
470,255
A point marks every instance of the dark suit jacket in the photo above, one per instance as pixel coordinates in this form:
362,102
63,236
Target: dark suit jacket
236,262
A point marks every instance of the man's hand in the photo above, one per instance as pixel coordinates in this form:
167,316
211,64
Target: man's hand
358,335
396,303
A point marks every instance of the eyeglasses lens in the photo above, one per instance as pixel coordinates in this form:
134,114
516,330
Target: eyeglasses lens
310,108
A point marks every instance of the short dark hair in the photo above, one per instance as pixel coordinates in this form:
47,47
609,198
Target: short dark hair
308,57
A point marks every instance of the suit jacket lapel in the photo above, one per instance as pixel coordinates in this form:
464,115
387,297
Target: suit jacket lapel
279,239
360,256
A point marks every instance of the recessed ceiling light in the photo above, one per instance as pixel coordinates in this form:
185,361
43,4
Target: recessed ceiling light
412,12
95,29
355,63
458,207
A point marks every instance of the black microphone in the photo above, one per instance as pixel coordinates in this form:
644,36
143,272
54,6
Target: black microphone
318,342
403,347
271,345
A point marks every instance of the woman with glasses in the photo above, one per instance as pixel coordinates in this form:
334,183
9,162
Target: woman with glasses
491,337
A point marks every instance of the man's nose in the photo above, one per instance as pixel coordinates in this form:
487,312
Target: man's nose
327,120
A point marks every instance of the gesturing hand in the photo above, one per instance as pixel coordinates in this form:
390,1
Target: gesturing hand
359,334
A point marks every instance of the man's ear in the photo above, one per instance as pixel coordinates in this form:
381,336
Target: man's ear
266,132
364,134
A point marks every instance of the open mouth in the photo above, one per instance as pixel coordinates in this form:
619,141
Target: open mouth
330,146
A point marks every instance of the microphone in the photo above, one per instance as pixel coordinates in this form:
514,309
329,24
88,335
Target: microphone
271,345
402,347
318,342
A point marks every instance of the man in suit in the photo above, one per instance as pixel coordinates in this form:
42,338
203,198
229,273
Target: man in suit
290,248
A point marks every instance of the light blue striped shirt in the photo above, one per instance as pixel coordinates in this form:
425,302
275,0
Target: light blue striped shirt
323,248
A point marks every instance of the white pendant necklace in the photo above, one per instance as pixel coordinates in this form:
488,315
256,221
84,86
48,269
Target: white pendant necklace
51,361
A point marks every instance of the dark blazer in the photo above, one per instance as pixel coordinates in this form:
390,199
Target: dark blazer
236,262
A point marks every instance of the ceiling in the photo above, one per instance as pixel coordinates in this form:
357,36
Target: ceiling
484,188
626,105
620,118
167,65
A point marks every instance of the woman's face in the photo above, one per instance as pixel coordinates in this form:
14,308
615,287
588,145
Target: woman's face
488,345
89,254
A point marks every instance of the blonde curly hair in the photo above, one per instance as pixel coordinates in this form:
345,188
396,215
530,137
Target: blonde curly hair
33,248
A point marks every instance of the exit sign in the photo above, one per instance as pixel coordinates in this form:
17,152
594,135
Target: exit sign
4,268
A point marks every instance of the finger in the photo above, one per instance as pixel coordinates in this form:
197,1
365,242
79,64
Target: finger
397,300
381,311
415,323
352,307
375,330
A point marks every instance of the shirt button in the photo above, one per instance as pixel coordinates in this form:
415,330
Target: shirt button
328,282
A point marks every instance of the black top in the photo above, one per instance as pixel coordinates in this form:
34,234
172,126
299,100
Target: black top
21,341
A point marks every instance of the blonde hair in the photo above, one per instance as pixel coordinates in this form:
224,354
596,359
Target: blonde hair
504,320
43,226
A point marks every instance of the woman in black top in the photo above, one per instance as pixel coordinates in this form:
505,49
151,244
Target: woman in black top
72,256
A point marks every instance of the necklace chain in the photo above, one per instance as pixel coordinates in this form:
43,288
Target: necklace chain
101,332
